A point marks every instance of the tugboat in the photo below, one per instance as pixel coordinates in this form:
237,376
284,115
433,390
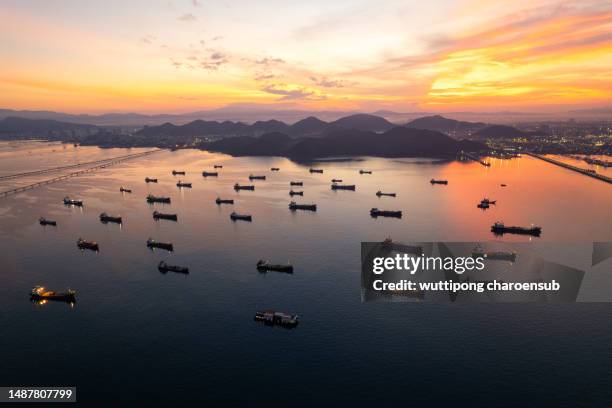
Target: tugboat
244,217
295,206
175,172
272,318
91,245
336,180
479,252
434,181
500,228
163,267
239,187
161,216
104,217
150,180
292,193
151,243
181,184
380,194
343,187
124,190
210,174
252,177
296,183
220,201
44,221
154,199
69,201
375,212
265,266
365,171
316,171
274,169
40,293
218,166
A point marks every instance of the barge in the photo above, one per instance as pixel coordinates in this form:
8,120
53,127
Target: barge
91,245
265,266
242,187
434,181
252,177
155,199
210,174
343,187
44,221
161,216
163,267
104,217
295,206
220,201
243,217
168,246
272,318
375,212
500,228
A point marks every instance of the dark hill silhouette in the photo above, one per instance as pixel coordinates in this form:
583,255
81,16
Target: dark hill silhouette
442,124
362,121
308,127
503,132
13,127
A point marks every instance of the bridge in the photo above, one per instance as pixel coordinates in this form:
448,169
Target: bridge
97,165
586,172
475,158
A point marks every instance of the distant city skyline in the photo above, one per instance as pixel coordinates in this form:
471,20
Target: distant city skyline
406,56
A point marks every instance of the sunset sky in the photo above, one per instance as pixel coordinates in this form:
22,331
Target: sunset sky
184,55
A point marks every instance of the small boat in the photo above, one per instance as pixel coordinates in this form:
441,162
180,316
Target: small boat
155,199
222,201
296,183
316,170
44,221
104,217
239,187
181,184
434,181
483,205
151,243
274,169
161,216
500,228
265,266
163,267
272,318
479,252
295,206
69,201
375,212
336,180
41,293
381,194
150,180
218,166
252,177
91,245
486,200
343,187
244,217
176,172
292,193
210,174
503,185
124,190
365,171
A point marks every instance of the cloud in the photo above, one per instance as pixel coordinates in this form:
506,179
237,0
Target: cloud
188,18
147,39
288,93
264,77
175,64
329,83
268,61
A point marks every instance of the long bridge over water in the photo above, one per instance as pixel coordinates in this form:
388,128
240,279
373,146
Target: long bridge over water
97,165
586,172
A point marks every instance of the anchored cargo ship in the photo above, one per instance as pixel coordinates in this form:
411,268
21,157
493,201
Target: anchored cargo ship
274,169
316,170
375,212
381,194
244,217
221,201
336,180
218,166
434,181
296,183
181,184
104,217
295,206
239,187
365,171
343,187
124,190
161,216
41,293
44,221
91,245
265,266
500,228
292,193
252,177
154,199
272,318
69,201
168,246
163,267
210,174
176,172
479,252
150,180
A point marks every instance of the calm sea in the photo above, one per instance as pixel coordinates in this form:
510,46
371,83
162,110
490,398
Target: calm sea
139,337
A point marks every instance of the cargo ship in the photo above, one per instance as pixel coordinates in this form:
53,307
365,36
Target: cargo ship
244,217
272,318
239,187
69,201
500,228
104,217
163,267
365,171
252,177
295,206
479,252
44,221
434,181
150,180
316,170
336,181
155,199
124,190
292,193
177,172
41,293
265,266
375,212
210,174
222,201
343,187
296,183
181,184
381,194
91,245
161,216
168,246
274,169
